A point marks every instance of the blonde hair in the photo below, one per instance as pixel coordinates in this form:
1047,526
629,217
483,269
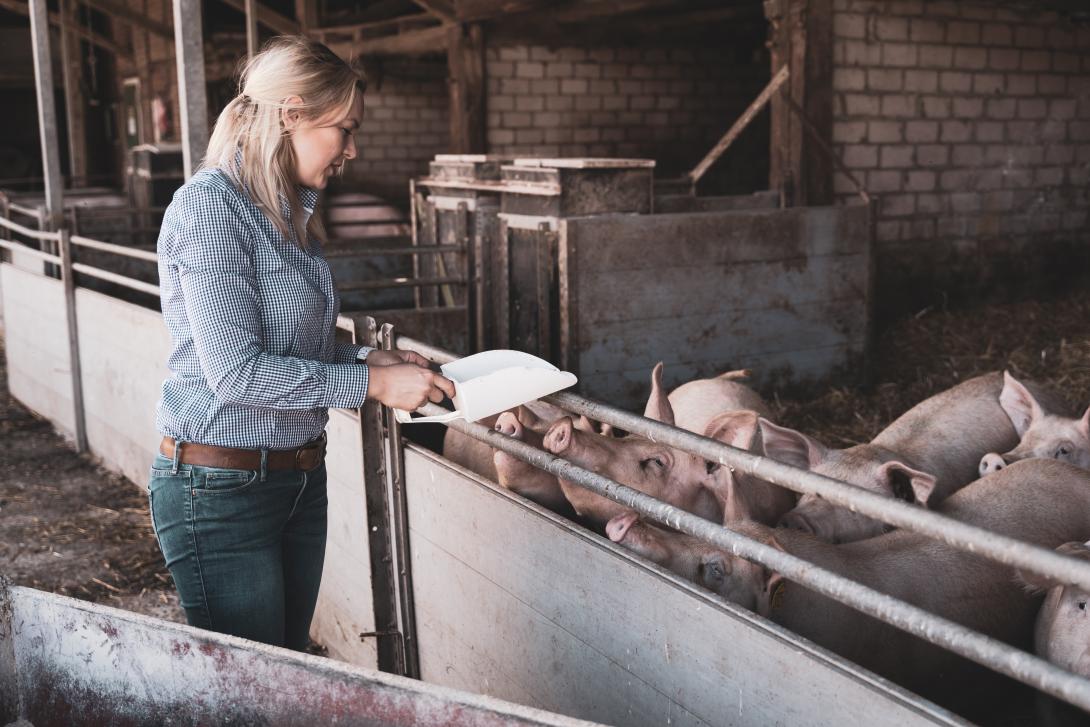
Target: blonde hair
249,142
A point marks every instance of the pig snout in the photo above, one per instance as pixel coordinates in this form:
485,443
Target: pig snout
509,425
991,462
559,437
618,525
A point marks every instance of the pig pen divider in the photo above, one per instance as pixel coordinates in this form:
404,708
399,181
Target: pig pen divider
970,644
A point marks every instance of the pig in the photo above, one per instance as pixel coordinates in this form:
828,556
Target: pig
668,474
1038,501
1062,633
1043,433
928,453
525,479
477,456
694,403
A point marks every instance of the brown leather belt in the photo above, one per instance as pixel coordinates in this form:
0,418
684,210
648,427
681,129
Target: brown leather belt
304,458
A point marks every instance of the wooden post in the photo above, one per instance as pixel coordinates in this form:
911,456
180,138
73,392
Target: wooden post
802,39
252,41
75,117
306,14
465,60
47,114
192,94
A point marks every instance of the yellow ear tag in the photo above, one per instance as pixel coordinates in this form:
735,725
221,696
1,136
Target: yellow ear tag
777,595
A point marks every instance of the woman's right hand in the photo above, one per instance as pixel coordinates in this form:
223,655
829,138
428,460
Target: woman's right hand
407,386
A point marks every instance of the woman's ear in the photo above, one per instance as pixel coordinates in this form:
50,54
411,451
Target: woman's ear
291,113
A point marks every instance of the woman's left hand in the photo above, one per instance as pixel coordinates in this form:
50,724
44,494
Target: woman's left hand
389,358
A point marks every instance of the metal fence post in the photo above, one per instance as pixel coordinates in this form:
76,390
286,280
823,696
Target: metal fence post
68,278
384,581
395,488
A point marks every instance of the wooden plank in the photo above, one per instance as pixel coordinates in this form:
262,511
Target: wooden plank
415,42
23,8
465,61
620,242
72,72
611,345
617,295
513,601
817,171
120,11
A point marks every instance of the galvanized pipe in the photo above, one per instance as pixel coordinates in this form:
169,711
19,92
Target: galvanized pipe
147,255
29,231
971,538
24,250
116,278
984,650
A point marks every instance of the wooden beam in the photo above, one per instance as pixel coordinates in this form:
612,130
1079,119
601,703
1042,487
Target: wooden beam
442,9
306,14
739,126
465,59
417,42
72,72
802,38
474,10
22,8
119,11
269,18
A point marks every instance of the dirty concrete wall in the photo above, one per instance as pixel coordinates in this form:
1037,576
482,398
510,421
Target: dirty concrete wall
36,344
123,354
344,607
971,122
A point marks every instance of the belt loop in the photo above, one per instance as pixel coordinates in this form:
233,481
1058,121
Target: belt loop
264,464
177,457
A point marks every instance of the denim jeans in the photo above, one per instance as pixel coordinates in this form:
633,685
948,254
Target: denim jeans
245,551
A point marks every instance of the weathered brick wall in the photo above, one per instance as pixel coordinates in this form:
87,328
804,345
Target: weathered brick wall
668,104
971,123
405,124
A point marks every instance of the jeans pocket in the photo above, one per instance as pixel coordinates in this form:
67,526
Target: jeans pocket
218,481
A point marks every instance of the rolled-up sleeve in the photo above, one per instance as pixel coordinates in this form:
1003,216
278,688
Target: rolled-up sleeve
212,249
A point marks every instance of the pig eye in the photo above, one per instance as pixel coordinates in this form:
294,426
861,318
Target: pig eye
657,461
1082,605
711,466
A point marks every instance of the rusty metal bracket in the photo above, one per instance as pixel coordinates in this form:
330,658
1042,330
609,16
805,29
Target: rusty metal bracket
397,504
379,538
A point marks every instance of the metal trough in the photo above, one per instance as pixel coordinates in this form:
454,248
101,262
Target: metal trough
66,662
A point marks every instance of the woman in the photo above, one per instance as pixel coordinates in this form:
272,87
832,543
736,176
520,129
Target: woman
237,492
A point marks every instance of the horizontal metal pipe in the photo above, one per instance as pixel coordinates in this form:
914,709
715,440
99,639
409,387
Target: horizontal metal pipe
971,538
24,210
29,232
118,249
400,283
970,644
115,278
23,249
364,251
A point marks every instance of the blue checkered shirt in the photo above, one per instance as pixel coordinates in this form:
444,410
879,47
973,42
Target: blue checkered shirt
251,316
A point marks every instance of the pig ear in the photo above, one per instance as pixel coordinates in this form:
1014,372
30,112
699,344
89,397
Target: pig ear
734,375
658,406
528,418
1035,583
791,447
908,484
737,428
1083,424
1020,405
584,424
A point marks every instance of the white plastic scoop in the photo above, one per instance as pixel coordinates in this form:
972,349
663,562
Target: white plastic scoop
489,382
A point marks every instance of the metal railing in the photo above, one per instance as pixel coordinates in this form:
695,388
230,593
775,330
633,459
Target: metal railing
984,650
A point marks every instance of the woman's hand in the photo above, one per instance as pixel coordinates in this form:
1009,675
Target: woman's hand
390,358
406,385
